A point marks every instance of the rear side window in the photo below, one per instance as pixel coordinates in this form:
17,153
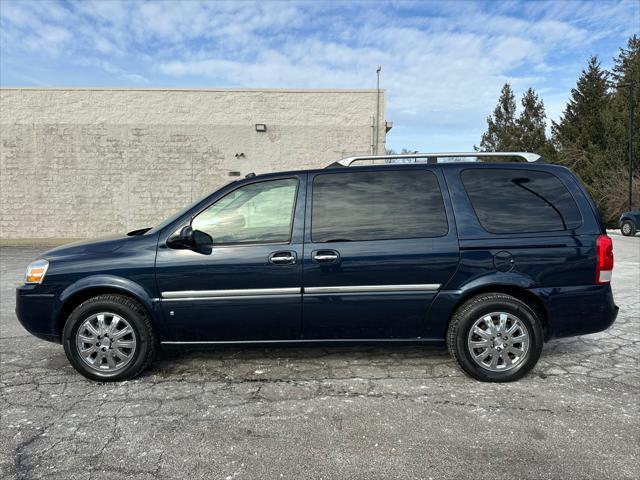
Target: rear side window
520,201
380,205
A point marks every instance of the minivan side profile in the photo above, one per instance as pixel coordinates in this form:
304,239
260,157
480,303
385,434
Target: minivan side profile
491,258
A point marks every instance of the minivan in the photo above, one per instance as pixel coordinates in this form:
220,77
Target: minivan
491,254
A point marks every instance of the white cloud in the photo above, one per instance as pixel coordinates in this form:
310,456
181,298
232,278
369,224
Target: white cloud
443,63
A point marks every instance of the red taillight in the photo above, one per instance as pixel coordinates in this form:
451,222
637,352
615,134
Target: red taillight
604,259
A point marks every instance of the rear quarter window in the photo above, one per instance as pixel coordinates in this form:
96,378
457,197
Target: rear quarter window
520,201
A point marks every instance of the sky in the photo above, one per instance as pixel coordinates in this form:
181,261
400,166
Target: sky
443,63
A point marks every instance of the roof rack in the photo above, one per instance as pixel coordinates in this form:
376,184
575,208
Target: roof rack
436,157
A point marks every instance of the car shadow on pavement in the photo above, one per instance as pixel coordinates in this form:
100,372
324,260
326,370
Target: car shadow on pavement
318,363
303,363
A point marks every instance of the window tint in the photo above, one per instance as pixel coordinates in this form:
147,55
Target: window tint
256,213
377,206
518,201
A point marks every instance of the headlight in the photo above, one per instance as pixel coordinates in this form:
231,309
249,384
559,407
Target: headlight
36,271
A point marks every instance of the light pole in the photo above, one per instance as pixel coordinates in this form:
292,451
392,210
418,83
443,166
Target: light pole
377,139
631,86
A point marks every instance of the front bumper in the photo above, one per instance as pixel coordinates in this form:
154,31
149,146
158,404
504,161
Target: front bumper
577,310
35,312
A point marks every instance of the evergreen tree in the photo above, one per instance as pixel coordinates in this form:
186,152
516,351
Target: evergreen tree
627,65
592,134
583,124
531,125
501,134
626,70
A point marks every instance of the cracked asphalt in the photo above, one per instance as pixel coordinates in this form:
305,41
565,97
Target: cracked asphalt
325,413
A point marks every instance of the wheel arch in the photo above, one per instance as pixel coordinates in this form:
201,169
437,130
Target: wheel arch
517,291
627,218
87,288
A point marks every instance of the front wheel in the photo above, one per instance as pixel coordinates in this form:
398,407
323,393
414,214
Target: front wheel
109,338
495,337
628,229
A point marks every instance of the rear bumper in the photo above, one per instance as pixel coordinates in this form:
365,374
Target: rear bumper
577,310
35,312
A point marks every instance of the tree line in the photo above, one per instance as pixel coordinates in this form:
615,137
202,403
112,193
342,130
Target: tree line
591,135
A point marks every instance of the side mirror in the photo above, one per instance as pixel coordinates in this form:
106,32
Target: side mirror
201,239
187,237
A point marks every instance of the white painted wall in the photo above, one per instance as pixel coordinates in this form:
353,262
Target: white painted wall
80,163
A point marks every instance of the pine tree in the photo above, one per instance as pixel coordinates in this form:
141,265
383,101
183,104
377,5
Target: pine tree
583,124
627,65
592,134
531,125
501,126
626,70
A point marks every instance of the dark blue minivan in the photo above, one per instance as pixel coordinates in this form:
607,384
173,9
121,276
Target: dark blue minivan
489,255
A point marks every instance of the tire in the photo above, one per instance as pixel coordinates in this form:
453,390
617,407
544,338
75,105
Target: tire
627,228
129,350
514,359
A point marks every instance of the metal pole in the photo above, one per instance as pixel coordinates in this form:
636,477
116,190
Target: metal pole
377,108
373,135
630,141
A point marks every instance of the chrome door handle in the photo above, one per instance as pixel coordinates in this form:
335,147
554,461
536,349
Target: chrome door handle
282,258
325,256
288,259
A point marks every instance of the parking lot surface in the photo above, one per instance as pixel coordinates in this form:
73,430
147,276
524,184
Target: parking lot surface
324,413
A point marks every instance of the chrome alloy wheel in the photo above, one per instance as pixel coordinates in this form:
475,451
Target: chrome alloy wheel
626,228
106,342
498,341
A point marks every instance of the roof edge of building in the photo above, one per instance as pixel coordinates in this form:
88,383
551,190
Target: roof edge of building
179,89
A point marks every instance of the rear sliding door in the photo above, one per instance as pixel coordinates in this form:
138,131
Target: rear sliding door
379,244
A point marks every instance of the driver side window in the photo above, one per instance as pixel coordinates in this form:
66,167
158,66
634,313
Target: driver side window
256,213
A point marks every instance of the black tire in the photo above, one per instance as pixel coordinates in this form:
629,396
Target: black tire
473,310
146,340
627,228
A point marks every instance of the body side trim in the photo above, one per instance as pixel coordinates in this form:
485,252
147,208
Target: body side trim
252,293
232,297
426,287
245,292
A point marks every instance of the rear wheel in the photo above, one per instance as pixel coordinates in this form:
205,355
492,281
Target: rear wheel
109,338
495,337
628,229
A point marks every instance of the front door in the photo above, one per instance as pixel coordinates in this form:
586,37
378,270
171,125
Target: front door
248,287
378,247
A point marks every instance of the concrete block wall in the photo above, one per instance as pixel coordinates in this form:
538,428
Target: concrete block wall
81,163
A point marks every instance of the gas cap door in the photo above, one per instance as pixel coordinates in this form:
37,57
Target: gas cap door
503,261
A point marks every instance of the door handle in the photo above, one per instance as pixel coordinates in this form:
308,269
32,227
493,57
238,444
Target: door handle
282,258
325,256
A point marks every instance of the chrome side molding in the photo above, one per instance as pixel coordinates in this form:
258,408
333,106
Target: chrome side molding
257,293
424,287
245,292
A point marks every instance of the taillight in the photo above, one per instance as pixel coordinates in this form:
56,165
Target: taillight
604,259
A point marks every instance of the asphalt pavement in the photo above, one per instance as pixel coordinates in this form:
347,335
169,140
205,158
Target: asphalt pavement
325,413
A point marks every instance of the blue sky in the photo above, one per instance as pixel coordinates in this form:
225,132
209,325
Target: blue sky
443,62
